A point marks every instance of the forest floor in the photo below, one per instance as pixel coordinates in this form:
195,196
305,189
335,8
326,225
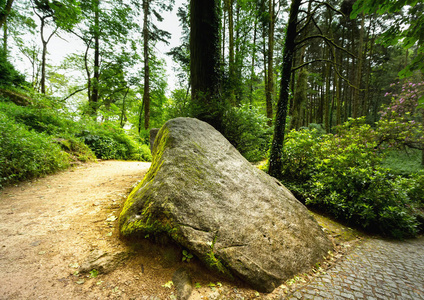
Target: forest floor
52,227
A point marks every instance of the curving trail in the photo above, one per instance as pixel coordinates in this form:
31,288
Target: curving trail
50,225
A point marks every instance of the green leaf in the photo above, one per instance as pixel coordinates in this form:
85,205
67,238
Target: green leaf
94,273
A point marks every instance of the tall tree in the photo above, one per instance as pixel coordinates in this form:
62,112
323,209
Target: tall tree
146,89
205,60
275,159
104,29
151,34
58,15
269,89
407,28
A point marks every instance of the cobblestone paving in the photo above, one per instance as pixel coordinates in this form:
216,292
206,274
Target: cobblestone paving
376,269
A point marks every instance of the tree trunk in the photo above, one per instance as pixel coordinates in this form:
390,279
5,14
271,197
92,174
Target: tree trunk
252,68
231,62
358,77
275,159
205,58
146,91
43,57
5,13
87,70
96,73
327,98
5,34
269,92
300,99
123,115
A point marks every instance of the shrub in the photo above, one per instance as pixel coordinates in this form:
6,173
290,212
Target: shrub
25,153
246,128
341,175
8,73
108,141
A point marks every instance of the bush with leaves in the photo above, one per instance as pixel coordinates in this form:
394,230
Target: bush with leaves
8,74
400,124
106,140
246,128
109,141
340,174
25,153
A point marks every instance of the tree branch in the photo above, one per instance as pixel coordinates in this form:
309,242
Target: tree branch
73,93
311,62
327,40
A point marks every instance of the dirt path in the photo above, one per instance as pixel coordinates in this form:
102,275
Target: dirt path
49,226
49,229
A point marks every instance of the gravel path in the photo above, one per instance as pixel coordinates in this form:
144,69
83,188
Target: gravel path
376,269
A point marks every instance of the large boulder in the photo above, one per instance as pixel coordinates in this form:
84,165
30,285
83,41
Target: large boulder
237,219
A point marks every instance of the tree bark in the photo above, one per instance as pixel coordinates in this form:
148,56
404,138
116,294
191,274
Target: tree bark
231,60
275,160
96,73
146,91
205,58
252,67
358,77
269,92
5,13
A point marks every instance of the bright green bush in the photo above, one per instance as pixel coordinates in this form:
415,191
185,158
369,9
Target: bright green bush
109,141
341,175
246,128
106,140
25,153
40,119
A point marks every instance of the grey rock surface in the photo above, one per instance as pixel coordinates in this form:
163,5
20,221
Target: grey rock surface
237,219
102,261
183,284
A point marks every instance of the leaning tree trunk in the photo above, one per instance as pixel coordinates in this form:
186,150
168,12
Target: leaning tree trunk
275,159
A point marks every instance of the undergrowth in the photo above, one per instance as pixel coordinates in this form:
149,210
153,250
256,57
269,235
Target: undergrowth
41,138
342,174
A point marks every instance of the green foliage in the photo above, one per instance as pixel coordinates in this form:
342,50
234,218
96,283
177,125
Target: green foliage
246,128
8,74
187,256
41,139
405,29
109,141
94,273
25,153
400,124
403,162
341,175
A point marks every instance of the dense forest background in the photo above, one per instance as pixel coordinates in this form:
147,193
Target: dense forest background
330,93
